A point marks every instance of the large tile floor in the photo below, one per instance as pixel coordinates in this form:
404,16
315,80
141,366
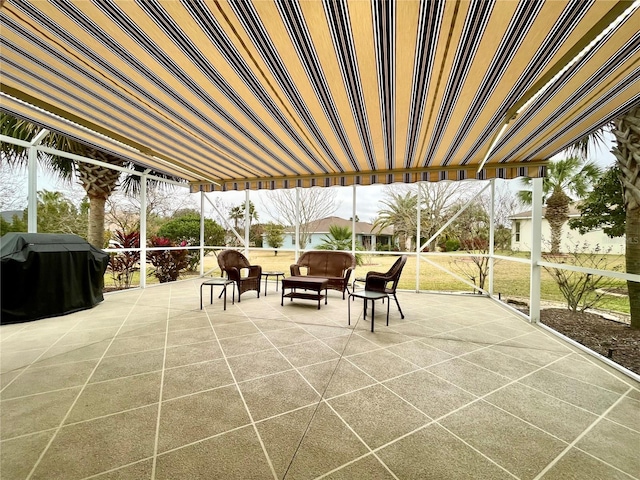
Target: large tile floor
148,386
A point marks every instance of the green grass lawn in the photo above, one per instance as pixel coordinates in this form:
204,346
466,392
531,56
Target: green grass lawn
511,279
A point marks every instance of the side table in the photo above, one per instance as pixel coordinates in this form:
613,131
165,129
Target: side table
266,276
221,282
368,295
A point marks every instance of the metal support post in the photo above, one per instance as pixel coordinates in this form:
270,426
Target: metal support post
202,197
353,221
143,229
418,246
32,189
297,229
492,212
247,222
536,251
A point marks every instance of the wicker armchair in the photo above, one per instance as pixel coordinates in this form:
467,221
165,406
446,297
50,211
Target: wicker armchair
387,282
232,262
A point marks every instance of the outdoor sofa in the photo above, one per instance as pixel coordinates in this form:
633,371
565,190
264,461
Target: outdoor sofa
332,265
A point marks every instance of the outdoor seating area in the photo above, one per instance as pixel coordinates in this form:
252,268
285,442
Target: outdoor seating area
146,385
336,267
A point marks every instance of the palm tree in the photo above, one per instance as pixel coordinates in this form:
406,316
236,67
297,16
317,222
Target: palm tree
339,238
626,130
99,182
400,213
567,177
237,213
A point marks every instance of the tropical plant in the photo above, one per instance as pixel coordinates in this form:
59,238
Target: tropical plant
123,265
98,181
168,263
237,214
56,214
399,212
339,238
571,176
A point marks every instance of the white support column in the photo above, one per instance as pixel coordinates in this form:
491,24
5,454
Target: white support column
143,229
418,246
247,220
536,251
492,212
32,192
353,221
32,188
202,197
296,242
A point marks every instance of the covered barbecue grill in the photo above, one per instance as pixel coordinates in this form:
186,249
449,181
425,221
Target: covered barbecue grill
46,275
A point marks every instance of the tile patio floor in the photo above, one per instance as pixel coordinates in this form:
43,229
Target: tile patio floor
148,386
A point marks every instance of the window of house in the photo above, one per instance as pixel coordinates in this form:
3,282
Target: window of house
517,224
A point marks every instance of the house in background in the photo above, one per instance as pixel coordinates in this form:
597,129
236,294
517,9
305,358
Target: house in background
318,229
521,235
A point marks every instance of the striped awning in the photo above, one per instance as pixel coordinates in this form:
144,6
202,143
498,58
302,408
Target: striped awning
276,94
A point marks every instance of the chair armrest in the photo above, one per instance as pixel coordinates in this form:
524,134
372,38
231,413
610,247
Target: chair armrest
376,282
255,271
347,274
377,274
295,270
233,273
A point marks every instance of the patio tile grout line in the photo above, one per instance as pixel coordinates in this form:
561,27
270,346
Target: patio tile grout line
579,437
294,368
323,399
161,392
244,402
61,424
462,407
488,346
27,367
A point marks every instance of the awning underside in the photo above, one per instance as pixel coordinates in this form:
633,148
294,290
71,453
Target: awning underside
235,95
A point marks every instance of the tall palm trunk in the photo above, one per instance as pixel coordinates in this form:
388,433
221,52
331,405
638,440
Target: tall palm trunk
627,152
99,182
557,215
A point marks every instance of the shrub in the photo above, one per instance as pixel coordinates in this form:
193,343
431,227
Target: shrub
167,263
451,245
582,290
474,243
123,265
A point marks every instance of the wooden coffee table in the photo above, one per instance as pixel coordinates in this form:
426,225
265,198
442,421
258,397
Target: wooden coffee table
316,285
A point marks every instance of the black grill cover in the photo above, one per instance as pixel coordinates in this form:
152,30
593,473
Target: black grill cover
46,275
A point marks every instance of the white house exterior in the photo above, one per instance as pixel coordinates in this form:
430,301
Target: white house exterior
320,228
521,235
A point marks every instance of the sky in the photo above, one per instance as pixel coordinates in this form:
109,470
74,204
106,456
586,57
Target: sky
367,201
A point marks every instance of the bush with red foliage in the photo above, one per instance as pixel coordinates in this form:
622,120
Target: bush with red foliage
167,263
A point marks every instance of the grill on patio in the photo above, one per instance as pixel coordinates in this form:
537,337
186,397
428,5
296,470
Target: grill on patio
146,385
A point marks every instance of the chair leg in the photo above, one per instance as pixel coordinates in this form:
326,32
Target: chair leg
398,304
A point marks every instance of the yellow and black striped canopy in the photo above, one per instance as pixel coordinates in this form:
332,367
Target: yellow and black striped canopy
235,94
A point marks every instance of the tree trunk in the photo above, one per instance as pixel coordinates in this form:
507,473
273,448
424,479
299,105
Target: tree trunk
99,182
557,215
632,258
95,235
627,152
